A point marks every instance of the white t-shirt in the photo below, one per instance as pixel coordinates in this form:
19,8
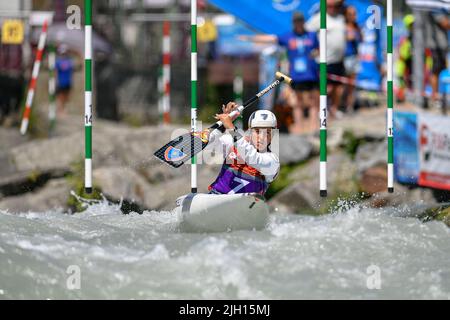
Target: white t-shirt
336,41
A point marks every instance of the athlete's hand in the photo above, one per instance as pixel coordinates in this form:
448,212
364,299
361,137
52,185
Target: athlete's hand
226,120
231,106
204,135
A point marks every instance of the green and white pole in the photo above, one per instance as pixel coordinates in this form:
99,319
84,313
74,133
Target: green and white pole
51,87
194,89
238,88
390,99
160,94
323,98
88,95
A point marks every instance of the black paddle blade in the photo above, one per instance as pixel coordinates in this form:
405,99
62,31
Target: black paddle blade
181,149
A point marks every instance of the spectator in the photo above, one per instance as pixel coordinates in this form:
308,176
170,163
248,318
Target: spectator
65,67
336,45
302,48
354,38
436,36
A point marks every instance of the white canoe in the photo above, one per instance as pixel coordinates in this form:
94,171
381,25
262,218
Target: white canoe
202,212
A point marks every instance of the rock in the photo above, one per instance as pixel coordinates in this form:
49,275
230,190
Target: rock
44,155
182,185
368,124
303,194
371,155
297,198
53,195
374,180
11,137
124,183
402,195
7,166
22,182
335,138
292,148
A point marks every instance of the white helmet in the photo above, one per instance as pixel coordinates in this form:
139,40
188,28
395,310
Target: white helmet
262,119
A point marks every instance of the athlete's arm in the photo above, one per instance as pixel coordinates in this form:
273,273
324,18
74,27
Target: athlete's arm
260,38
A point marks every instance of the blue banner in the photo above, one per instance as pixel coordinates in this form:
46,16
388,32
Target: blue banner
370,57
444,82
406,148
275,16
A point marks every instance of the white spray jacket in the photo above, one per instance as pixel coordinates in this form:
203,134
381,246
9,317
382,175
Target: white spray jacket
267,163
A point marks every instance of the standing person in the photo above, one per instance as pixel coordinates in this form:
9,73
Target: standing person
302,49
64,71
436,39
354,38
336,45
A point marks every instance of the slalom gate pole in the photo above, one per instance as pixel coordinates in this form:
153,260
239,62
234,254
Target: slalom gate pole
52,88
34,76
193,90
390,99
238,88
323,98
166,72
160,85
88,95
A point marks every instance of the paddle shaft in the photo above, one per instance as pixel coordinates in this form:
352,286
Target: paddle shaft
249,102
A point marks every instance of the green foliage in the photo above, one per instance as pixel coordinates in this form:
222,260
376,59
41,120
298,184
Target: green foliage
444,215
441,213
76,182
34,175
211,106
351,143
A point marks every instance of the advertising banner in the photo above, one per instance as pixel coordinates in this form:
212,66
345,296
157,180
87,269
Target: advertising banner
434,151
406,149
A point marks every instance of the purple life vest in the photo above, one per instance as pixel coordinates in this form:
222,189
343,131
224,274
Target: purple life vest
238,177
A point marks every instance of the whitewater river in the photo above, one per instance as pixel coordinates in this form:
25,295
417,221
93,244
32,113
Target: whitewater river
101,253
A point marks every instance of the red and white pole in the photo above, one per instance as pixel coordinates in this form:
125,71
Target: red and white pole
166,72
34,75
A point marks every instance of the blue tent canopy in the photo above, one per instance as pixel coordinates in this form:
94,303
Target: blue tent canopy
275,17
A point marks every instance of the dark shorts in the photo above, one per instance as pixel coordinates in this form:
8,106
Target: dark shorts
305,85
337,69
439,60
65,89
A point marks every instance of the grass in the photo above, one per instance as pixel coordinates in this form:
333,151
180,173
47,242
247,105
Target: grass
283,179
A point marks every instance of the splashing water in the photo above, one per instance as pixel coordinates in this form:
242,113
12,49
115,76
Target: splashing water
356,253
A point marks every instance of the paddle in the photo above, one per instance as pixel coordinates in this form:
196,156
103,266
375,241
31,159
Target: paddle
184,147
